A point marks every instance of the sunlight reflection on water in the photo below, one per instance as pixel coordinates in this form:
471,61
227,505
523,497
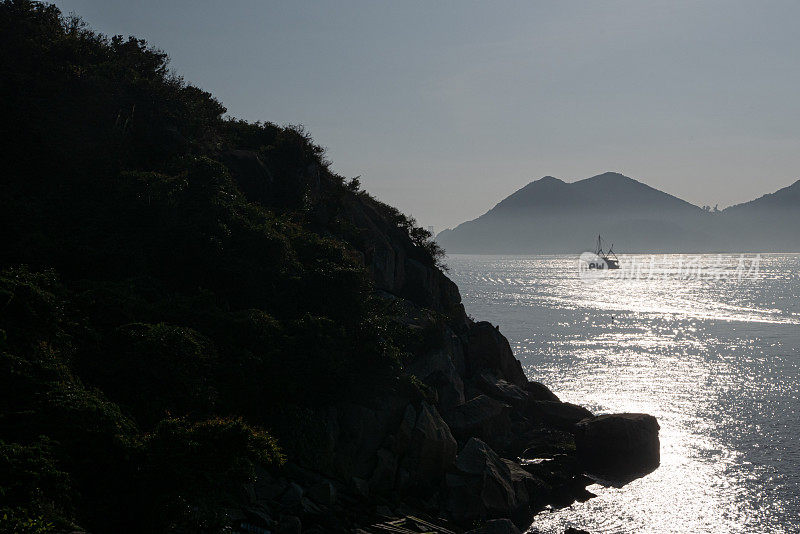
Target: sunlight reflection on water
717,361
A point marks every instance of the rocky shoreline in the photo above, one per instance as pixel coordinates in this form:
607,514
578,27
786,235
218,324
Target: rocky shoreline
484,448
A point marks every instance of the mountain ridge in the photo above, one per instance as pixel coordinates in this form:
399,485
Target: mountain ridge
551,215
790,192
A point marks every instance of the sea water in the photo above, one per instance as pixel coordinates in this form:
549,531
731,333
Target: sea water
708,344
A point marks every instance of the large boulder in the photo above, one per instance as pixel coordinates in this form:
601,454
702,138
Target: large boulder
430,451
528,489
488,349
485,486
538,391
482,417
359,434
438,369
323,492
481,486
422,284
619,444
547,442
383,477
502,389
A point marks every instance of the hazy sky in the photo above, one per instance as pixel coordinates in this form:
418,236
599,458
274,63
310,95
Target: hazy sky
445,108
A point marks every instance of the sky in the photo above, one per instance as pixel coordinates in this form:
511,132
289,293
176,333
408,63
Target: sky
444,108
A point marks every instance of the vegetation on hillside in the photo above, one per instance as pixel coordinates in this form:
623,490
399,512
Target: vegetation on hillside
157,325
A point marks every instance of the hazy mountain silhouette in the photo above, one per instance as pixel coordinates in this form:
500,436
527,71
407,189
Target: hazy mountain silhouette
770,223
787,198
549,215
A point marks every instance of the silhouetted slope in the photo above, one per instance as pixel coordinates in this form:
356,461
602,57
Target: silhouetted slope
544,194
786,198
549,215
203,328
770,223
614,191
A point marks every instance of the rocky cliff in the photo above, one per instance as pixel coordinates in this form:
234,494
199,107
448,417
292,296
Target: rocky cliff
481,442
203,328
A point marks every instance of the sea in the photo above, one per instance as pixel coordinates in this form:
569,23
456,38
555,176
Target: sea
709,344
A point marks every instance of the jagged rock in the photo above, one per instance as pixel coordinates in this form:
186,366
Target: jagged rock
525,485
383,478
361,432
619,443
438,370
258,516
322,493
309,507
538,391
361,487
482,417
562,478
403,479
399,441
382,265
268,488
455,347
501,389
489,350
422,284
496,526
482,486
556,414
546,442
293,496
432,448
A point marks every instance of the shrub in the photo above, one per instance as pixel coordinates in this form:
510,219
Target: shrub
192,470
155,369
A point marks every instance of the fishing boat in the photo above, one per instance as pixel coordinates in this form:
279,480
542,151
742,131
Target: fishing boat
605,259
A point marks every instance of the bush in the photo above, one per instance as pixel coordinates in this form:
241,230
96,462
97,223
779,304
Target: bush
33,491
192,470
152,370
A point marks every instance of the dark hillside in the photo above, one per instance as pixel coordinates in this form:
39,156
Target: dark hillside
159,264
205,329
769,223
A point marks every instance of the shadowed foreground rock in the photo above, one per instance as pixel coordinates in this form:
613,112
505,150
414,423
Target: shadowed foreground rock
619,444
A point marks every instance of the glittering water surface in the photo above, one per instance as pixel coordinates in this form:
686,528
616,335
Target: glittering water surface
716,359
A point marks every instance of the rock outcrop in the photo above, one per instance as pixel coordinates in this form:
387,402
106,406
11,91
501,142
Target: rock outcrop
483,443
488,349
482,417
619,444
481,485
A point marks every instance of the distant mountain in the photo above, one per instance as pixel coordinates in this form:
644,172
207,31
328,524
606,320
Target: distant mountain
787,198
770,223
549,216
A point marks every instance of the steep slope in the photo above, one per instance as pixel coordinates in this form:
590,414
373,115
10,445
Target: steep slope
205,329
614,191
544,194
